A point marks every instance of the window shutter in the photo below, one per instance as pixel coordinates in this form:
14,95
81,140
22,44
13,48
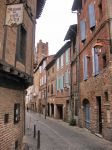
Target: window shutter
67,56
93,59
85,69
57,63
57,84
62,82
92,15
61,60
96,64
83,30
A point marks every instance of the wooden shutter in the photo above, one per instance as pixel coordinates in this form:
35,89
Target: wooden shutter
96,64
61,60
93,53
83,30
57,84
57,63
85,67
92,15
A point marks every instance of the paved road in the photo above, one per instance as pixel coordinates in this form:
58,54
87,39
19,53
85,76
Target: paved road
58,135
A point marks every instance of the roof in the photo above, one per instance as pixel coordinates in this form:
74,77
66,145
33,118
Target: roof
58,54
40,5
47,57
77,5
71,33
40,64
50,63
63,49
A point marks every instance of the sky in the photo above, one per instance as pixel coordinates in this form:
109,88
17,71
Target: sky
54,23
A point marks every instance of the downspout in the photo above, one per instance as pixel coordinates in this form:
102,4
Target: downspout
46,95
71,86
109,15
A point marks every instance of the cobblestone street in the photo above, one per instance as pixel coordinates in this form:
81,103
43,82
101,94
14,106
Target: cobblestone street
58,135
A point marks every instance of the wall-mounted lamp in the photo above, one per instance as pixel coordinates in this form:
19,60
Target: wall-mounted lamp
98,47
99,44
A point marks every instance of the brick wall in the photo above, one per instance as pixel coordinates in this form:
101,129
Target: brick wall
10,132
96,86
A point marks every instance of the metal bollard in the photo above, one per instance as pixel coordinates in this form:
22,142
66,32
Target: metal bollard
38,139
34,135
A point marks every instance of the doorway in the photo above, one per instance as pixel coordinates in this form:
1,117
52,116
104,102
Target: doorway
99,114
86,105
60,111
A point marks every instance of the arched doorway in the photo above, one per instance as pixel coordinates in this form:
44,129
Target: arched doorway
86,106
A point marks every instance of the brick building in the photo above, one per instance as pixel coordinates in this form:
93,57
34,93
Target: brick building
58,84
71,35
16,62
51,87
40,76
95,46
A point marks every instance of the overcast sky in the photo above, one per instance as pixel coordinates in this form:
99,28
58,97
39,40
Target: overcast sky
54,22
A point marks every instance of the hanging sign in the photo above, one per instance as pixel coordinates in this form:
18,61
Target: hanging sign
14,14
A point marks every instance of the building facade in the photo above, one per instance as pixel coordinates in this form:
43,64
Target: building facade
72,36
95,34
58,84
51,87
16,63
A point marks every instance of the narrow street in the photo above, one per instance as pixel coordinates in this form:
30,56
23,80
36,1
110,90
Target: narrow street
58,135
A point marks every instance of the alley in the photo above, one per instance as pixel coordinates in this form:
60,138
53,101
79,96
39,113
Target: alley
58,135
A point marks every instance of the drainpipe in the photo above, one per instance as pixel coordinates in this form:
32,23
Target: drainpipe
46,95
71,86
109,14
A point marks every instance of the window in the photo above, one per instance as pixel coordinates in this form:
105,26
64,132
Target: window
53,70
66,79
16,145
83,30
76,107
104,60
40,82
57,63
44,95
67,56
95,61
57,83
40,69
106,96
61,60
16,113
48,88
61,82
44,64
21,44
92,20
51,88
85,67
6,118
